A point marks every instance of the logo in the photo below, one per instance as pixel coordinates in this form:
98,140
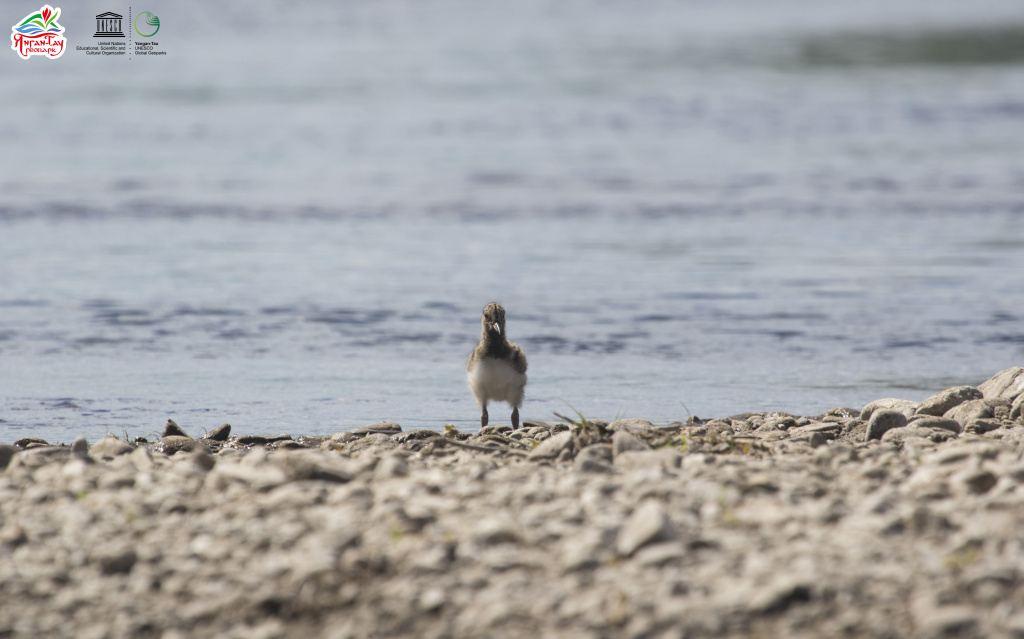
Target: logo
39,34
108,25
149,27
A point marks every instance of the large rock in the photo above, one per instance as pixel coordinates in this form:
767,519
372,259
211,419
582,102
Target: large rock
110,447
387,428
177,444
80,448
596,458
624,441
1008,384
904,406
883,421
171,429
647,524
7,453
944,423
552,447
631,425
969,411
941,403
1017,409
667,458
220,434
898,435
301,465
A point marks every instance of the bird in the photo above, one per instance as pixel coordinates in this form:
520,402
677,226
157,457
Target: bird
496,369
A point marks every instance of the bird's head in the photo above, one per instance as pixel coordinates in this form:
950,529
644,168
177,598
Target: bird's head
494,319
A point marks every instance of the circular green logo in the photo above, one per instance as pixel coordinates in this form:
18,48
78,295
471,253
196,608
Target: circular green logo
150,26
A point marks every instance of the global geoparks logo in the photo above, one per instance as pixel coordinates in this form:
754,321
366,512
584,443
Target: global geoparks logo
150,24
39,34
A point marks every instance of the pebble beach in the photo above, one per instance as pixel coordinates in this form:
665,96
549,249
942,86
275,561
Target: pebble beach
897,519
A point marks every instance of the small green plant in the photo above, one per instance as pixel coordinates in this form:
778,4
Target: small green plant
963,557
582,423
688,413
395,533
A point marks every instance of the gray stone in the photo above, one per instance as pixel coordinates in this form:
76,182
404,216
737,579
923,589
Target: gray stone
117,561
496,530
141,459
948,621
928,421
596,452
980,481
667,458
25,442
175,444
110,447
391,465
1008,384
623,441
12,535
171,429
202,459
1017,408
310,465
1000,408
969,411
379,441
593,466
941,403
7,453
898,435
816,434
631,425
260,476
42,455
220,434
413,435
904,406
780,594
552,447
982,426
883,421
388,428
596,458
80,448
646,525
260,440
660,554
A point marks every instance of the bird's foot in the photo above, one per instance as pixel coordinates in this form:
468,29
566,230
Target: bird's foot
515,419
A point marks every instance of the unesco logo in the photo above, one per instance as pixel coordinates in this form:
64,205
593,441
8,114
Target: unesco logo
108,25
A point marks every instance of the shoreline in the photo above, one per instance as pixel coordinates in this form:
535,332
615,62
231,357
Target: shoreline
899,520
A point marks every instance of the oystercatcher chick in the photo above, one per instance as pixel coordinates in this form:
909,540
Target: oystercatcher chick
496,370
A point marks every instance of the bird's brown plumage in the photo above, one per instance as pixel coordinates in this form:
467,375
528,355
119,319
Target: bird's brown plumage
496,369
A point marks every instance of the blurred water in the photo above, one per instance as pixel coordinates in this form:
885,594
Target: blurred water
684,208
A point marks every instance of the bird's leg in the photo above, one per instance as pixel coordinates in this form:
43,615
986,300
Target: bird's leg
483,418
515,418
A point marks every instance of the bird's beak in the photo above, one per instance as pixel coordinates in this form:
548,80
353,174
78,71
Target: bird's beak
497,328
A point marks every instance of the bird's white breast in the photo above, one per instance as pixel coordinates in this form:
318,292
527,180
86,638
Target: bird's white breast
496,380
